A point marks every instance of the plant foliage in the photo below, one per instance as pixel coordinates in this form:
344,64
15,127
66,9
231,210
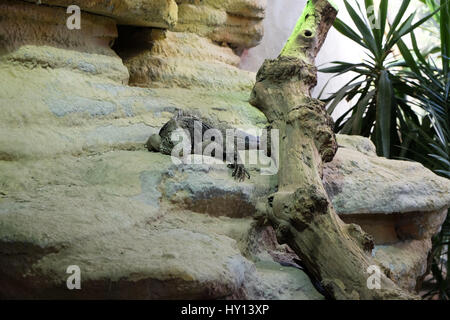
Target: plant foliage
380,111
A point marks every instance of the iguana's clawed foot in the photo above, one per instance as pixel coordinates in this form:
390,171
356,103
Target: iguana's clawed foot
239,172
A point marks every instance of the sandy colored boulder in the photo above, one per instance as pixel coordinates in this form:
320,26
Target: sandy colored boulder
405,262
243,8
401,204
74,112
219,25
37,37
145,13
364,183
76,116
105,213
181,59
207,188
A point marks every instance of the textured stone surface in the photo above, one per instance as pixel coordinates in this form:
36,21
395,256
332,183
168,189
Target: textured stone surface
37,36
235,22
76,99
405,262
359,183
208,188
357,143
103,214
243,8
177,59
401,204
147,13
403,242
392,228
34,36
74,113
220,26
29,24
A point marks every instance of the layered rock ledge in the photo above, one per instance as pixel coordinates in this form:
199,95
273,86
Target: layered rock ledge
144,13
400,203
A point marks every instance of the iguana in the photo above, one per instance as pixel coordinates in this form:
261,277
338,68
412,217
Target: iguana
163,143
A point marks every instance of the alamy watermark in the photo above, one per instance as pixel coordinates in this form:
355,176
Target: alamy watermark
74,20
374,23
74,280
374,279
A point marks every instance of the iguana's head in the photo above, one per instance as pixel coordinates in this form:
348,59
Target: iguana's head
165,134
162,142
154,143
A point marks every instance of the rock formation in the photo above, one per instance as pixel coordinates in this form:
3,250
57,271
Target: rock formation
144,13
77,186
401,204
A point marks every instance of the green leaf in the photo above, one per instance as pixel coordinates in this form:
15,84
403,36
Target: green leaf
367,36
416,49
407,27
396,35
445,36
442,159
398,18
340,95
361,108
384,111
344,29
340,67
382,18
334,95
444,173
432,5
411,62
347,128
342,119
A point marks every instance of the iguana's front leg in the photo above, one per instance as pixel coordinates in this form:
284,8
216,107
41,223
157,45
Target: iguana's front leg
239,171
248,142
